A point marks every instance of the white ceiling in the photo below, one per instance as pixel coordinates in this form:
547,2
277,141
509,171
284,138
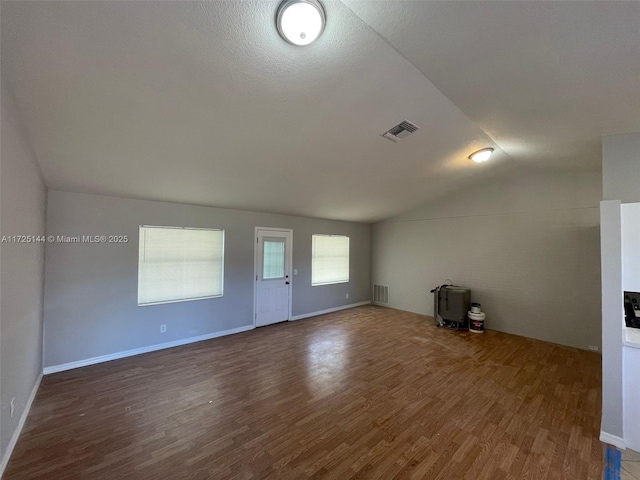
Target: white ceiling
203,103
545,79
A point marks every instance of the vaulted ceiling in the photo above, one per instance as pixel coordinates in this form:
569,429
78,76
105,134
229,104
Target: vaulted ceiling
203,102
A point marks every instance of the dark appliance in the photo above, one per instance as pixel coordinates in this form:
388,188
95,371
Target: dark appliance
632,309
451,304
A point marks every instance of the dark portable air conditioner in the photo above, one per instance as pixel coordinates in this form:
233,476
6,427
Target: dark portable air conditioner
451,304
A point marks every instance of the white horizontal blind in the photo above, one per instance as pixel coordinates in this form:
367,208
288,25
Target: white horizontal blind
330,259
177,264
273,258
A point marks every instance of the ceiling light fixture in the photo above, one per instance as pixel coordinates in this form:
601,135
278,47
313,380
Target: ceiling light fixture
481,155
300,22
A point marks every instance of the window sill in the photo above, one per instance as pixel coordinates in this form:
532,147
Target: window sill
182,300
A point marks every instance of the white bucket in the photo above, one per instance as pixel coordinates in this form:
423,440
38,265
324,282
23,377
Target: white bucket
476,322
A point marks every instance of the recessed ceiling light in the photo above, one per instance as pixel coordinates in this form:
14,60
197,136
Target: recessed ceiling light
300,22
481,155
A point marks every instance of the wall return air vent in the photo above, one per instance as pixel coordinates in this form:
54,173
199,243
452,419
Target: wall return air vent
403,129
381,294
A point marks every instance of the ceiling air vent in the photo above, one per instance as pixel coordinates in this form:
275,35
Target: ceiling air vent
404,129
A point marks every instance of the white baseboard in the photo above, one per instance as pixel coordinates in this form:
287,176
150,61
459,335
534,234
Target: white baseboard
613,440
138,351
329,310
18,430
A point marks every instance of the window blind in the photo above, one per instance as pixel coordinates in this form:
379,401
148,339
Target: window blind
330,259
178,264
273,259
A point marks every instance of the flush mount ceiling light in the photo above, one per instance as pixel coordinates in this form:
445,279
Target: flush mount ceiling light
481,155
300,22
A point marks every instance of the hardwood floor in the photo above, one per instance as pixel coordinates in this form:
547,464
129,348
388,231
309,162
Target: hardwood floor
367,393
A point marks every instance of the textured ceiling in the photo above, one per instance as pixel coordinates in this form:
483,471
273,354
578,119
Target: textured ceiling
545,79
203,103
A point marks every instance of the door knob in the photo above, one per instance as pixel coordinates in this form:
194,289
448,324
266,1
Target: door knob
286,283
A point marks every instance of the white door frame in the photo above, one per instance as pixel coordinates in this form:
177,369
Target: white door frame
256,273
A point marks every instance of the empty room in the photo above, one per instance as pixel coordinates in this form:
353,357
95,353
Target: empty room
329,239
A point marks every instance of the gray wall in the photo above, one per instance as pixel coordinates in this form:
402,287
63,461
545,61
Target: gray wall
91,289
527,244
621,168
23,201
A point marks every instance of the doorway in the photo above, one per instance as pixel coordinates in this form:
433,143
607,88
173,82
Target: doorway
273,258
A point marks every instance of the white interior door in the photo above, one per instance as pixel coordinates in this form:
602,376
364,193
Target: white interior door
273,276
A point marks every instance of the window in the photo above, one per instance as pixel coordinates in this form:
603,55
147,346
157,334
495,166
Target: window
179,264
273,258
330,259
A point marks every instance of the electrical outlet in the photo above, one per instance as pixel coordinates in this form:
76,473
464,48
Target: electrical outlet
13,406
347,295
163,329
295,271
593,347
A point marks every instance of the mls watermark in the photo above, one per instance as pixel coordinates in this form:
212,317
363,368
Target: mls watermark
64,239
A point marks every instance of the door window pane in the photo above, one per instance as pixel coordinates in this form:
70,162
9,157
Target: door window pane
273,258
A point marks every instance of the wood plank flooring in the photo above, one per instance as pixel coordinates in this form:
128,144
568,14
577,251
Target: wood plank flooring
367,393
